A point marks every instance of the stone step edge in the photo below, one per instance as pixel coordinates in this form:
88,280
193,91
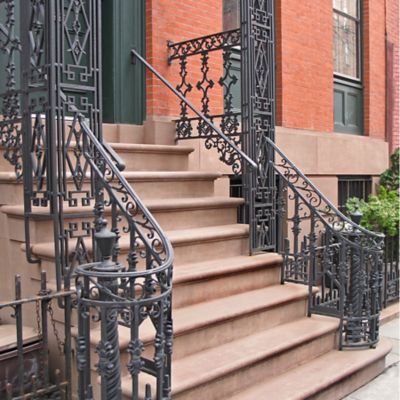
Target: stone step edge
295,293
139,176
151,148
336,366
180,237
143,148
188,273
195,271
168,205
326,326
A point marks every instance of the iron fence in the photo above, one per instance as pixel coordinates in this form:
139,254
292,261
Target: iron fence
391,272
339,261
27,372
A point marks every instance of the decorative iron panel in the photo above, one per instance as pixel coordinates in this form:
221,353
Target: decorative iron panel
258,119
339,261
214,83
10,123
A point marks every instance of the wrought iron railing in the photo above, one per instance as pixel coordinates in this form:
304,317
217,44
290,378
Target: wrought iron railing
244,103
391,272
27,371
52,133
115,294
220,84
340,261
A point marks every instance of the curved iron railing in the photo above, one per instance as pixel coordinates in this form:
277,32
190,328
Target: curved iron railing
339,260
123,295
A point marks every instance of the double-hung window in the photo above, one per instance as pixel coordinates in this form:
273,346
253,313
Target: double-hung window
347,61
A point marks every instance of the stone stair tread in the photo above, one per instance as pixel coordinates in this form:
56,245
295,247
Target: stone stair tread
151,148
169,204
204,314
141,175
177,237
208,269
214,363
8,336
316,375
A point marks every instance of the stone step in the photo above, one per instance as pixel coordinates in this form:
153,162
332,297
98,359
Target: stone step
219,371
151,157
180,213
217,322
147,185
209,280
190,245
329,377
201,282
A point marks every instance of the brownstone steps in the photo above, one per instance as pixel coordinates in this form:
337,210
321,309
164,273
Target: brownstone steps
190,245
147,184
330,376
151,157
208,280
218,372
180,213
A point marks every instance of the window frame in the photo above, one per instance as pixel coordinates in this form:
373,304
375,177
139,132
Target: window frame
343,78
353,83
346,181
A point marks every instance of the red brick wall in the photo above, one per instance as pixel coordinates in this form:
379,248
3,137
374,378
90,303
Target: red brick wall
374,68
304,64
392,46
178,20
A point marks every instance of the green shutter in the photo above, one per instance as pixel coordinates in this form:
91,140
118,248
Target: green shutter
348,109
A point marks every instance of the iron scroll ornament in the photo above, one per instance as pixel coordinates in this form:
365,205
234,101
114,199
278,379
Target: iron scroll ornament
124,295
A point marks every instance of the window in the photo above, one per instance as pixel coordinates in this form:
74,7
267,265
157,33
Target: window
348,113
353,186
346,31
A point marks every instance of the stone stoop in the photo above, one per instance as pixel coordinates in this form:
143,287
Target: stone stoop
239,333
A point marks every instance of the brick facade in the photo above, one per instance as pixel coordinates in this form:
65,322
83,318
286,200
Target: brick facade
393,74
176,20
305,68
374,68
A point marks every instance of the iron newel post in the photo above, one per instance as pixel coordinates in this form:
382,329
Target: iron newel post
108,365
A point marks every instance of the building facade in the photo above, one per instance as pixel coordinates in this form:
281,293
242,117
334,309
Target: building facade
337,85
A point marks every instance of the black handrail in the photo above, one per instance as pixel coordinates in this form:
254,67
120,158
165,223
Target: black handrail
330,208
242,155
114,170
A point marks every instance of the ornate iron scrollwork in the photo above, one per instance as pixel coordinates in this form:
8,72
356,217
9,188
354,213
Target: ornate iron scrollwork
207,86
340,261
10,123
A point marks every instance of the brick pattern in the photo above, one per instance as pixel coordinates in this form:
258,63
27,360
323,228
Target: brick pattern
374,68
178,20
304,79
392,41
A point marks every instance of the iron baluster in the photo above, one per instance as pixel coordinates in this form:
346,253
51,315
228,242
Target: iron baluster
19,335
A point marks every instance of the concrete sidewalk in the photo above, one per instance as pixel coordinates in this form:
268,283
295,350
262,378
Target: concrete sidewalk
386,385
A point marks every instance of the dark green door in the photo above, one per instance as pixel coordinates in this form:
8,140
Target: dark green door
123,84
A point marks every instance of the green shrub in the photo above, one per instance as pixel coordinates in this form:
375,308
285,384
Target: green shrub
380,213
390,179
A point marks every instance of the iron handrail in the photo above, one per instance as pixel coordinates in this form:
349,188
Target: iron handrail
311,188
114,169
218,131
